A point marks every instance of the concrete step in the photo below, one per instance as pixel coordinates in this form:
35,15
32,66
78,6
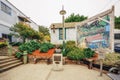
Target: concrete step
7,60
10,66
9,63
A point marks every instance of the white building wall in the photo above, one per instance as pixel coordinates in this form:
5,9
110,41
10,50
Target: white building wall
6,20
10,19
70,35
55,37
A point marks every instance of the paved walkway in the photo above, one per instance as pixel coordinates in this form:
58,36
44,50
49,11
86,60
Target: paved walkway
44,72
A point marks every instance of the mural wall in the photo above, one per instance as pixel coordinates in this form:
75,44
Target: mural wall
95,34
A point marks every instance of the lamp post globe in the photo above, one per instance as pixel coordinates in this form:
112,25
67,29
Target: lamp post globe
62,12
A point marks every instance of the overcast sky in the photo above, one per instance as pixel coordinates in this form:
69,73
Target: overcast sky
45,12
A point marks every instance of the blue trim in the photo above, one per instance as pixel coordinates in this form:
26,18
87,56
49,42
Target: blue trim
61,34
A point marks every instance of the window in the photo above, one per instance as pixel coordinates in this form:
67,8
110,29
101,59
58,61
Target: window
6,36
5,8
61,33
117,36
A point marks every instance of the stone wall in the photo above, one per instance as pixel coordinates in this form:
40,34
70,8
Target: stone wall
3,51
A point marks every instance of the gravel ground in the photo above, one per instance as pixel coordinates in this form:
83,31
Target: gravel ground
45,72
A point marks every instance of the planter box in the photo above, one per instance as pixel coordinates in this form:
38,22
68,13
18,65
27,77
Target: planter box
32,58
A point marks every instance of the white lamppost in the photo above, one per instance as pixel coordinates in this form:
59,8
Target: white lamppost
63,12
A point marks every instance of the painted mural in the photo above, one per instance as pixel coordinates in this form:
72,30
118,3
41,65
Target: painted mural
94,34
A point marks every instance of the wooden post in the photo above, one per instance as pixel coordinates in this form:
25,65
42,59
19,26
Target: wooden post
101,67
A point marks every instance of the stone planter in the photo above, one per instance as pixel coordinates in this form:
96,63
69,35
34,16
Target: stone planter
57,62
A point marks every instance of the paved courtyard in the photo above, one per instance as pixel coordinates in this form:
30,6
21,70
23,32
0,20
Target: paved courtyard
44,72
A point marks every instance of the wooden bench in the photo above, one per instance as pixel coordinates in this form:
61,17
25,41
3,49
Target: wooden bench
91,60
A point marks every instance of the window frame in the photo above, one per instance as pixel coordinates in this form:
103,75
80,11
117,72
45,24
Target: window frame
117,36
61,33
5,8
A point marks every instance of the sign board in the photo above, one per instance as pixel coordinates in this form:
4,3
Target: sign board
57,62
57,58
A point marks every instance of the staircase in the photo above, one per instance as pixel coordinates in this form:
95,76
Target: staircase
8,63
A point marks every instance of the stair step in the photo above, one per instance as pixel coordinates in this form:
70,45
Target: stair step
10,66
7,60
6,57
9,63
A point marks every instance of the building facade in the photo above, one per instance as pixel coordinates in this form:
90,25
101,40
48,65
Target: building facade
10,15
70,33
57,34
117,36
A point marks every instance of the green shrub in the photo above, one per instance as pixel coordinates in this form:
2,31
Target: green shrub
46,46
50,46
69,45
75,54
60,46
29,46
3,44
111,59
18,54
68,49
88,53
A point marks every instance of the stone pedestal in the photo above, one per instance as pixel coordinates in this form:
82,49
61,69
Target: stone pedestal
57,62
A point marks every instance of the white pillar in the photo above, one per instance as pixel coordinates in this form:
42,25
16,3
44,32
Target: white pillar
112,29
